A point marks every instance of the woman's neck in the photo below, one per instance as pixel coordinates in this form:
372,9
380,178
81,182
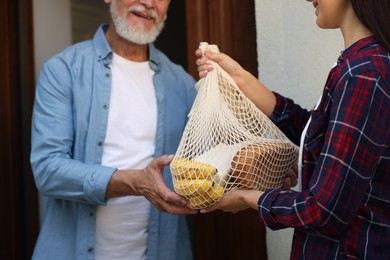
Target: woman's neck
353,30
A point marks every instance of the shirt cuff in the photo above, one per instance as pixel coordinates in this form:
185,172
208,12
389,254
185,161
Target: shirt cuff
95,185
265,208
280,112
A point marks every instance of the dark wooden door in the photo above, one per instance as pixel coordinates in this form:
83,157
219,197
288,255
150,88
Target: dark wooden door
228,23
231,25
19,217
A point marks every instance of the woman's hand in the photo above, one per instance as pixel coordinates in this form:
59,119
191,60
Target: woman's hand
291,179
260,95
235,201
205,63
238,200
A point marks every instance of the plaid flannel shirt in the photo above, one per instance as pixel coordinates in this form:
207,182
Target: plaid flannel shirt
343,211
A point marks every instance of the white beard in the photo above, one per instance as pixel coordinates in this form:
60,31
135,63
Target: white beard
137,33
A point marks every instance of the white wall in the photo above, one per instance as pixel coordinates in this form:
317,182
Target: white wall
294,57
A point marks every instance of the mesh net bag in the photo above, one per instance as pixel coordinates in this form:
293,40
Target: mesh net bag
227,144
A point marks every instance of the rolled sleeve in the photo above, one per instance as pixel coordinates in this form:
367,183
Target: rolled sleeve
265,208
95,185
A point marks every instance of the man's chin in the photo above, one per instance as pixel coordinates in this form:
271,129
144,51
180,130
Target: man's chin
141,40
139,37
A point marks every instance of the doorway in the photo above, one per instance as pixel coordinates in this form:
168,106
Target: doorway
231,25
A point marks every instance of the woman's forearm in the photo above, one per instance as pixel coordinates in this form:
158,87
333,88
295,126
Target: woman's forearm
256,91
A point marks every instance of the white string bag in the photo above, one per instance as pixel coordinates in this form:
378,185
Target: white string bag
227,144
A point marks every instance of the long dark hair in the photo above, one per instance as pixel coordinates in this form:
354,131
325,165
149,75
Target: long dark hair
375,15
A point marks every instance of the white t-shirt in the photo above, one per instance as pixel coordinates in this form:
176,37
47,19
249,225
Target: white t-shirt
122,225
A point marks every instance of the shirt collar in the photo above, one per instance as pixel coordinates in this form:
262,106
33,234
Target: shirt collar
154,58
356,47
100,42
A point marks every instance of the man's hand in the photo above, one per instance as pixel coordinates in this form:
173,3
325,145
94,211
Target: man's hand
150,184
158,193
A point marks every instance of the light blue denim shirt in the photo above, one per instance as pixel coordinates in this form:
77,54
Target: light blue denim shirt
68,130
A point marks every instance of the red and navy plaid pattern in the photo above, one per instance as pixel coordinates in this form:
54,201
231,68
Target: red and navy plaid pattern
343,211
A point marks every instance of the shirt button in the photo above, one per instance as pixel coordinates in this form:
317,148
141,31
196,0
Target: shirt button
90,249
100,143
91,214
105,106
107,75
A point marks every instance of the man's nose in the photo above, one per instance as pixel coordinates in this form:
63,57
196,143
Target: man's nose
147,3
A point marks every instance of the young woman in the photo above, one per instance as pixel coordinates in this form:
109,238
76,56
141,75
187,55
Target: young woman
343,208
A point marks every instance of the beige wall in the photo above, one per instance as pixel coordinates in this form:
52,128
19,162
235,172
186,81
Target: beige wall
52,33
59,23
294,57
52,29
